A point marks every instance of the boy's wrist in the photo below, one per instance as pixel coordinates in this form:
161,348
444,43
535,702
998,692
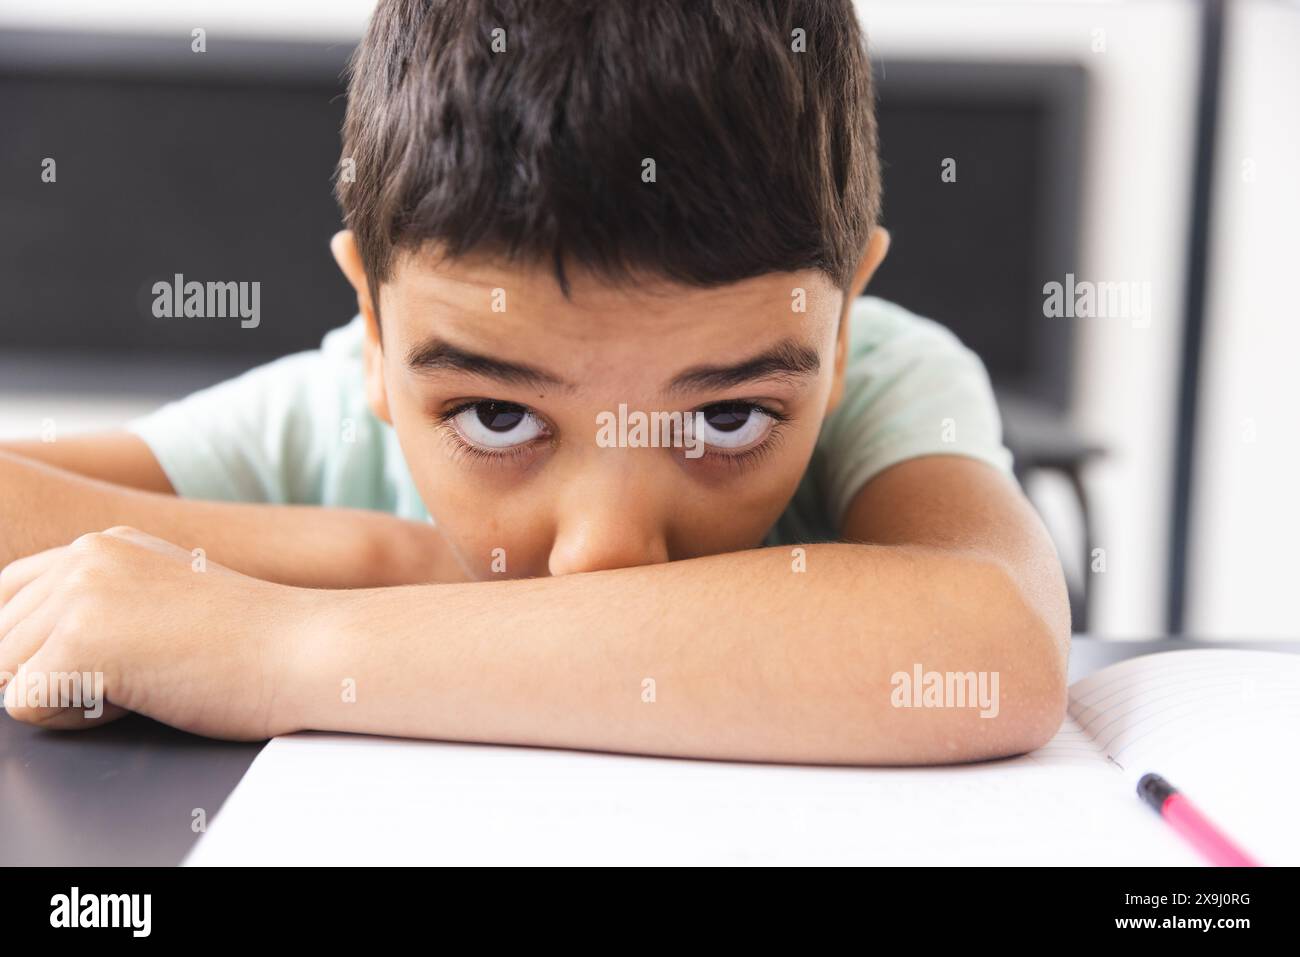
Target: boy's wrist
325,632
313,684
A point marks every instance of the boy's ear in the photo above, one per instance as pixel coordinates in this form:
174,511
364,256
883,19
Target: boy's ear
346,254
872,257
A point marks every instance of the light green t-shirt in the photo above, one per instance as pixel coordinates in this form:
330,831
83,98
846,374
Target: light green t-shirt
299,431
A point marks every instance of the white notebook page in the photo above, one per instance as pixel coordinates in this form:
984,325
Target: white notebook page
349,799
1222,726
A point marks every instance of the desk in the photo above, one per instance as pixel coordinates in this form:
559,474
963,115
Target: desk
124,794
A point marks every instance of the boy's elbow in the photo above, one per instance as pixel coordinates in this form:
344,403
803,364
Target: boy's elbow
1033,704
1003,665
1037,716
1032,642
1024,633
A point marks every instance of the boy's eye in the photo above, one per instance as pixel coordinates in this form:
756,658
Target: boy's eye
497,425
734,425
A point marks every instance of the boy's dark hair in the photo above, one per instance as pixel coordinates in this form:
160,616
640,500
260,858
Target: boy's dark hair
765,157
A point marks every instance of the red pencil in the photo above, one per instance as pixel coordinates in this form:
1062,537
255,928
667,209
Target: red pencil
1195,827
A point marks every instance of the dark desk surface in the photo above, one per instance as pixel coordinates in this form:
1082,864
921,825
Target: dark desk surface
125,794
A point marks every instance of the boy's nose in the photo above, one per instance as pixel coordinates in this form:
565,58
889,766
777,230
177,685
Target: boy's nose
613,526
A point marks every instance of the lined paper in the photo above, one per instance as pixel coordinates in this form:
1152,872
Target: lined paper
1201,718
1221,726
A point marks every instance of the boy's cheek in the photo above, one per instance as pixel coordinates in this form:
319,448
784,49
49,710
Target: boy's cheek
488,541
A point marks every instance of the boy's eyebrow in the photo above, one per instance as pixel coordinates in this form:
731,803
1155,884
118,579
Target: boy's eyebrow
787,359
435,355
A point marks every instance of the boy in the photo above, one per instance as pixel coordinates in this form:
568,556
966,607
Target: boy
566,221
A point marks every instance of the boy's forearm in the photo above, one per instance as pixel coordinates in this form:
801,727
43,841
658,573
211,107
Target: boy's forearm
44,507
735,656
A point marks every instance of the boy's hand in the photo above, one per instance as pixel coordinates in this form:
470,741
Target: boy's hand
158,629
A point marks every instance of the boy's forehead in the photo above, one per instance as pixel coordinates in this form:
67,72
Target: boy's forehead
482,294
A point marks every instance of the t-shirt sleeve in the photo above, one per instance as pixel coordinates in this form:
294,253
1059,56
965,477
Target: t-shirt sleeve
911,389
271,435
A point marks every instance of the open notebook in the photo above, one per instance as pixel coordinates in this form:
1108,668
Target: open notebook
1224,726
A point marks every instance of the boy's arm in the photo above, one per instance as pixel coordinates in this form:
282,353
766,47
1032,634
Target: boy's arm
51,493
735,656
117,457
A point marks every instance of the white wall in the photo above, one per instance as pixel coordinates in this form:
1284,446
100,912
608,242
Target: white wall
1137,181
1246,521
